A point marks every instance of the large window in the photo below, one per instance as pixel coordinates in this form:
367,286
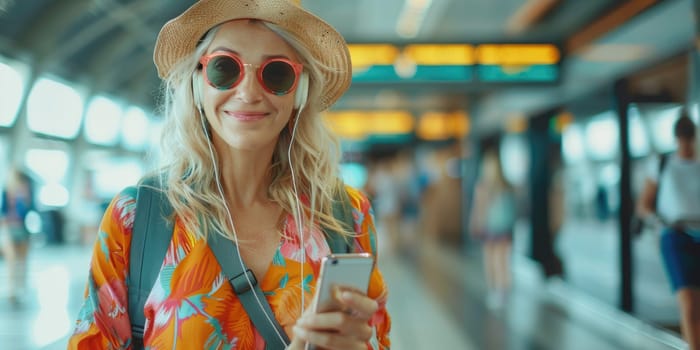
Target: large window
602,136
51,166
638,138
54,108
112,174
103,121
694,112
10,93
573,144
660,119
515,159
136,129
154,152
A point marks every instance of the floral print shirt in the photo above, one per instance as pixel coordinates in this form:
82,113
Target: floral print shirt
192,305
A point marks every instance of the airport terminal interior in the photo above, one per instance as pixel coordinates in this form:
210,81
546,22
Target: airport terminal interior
567,103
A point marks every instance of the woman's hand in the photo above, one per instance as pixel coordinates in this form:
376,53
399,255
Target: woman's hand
347,328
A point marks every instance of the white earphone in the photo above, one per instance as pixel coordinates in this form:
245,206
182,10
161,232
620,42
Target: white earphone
196,92
302,92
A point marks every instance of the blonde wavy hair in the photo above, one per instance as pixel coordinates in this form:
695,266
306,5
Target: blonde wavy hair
187,170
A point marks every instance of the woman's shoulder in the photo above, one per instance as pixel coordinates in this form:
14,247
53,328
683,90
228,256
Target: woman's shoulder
126,198
366,240
122,209
358,199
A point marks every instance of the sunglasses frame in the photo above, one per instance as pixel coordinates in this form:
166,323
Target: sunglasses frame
297,67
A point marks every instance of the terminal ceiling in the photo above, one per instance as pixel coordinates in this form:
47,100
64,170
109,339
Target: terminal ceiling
107,45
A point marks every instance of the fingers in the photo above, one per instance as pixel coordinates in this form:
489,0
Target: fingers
339,323
328,340
296,344
346,329
358,305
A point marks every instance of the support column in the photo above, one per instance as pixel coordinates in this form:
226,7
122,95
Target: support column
621,104
541,244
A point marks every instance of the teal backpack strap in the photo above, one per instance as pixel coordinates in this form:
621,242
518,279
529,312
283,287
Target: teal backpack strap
253,299
150,238
342,211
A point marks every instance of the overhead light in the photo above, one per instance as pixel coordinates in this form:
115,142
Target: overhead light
411,17
440,54
347,124
615,52
391,122
517,54
442,126
367,55
405,67
356,124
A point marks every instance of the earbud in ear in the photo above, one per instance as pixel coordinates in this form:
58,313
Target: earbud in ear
196,89
302,92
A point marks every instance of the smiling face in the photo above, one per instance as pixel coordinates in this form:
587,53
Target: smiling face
246,116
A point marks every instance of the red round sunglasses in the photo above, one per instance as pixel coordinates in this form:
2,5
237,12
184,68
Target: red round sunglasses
225,70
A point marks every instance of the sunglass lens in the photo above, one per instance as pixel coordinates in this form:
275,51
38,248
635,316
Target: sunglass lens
279,77
223,72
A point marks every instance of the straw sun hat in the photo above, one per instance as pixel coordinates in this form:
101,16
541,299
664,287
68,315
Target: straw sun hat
179,37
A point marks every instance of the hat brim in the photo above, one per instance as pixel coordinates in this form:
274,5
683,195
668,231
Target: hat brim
179,37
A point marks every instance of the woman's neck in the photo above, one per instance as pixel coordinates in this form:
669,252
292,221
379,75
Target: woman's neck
245,177
244,172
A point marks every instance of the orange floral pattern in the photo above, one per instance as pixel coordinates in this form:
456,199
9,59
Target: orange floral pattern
192,305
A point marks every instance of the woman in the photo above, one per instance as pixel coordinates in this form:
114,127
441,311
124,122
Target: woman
492,221
246,158
17,202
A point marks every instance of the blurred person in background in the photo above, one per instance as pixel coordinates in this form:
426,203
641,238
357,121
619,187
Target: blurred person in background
410,193
441,197
384,187
250,168
492,221
671,199
17,202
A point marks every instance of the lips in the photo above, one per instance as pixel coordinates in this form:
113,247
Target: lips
246,115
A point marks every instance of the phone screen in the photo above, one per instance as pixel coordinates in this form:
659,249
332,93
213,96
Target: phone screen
341,272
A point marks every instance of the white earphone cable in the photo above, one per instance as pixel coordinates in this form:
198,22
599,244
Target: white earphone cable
299,216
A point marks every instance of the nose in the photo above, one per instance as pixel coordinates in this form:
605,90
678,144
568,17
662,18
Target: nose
249,89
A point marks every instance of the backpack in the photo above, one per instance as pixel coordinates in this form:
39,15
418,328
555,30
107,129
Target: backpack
637,224
153,211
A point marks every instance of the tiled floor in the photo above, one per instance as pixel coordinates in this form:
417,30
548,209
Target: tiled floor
436,302
48,309
539,314
57,277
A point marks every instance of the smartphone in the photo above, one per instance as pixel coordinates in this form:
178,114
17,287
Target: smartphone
341,272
